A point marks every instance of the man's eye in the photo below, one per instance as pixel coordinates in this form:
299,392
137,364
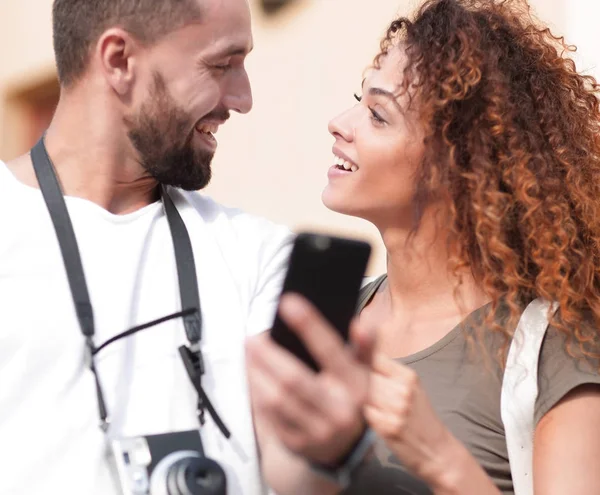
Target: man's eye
222,67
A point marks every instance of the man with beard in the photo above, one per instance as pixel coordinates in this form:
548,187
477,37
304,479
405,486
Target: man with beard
145,85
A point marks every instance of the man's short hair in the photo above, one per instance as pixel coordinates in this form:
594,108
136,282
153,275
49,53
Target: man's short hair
78,24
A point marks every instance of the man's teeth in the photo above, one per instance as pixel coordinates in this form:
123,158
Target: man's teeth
208,128
340,162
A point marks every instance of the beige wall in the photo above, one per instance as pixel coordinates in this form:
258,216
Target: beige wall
306,65
582,25
26,60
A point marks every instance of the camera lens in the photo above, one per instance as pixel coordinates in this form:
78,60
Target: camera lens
196,476
186,472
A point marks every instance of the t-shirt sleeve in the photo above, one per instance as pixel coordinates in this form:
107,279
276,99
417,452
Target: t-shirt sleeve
560,372
273,259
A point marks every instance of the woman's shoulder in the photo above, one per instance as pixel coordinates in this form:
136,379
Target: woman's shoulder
564,365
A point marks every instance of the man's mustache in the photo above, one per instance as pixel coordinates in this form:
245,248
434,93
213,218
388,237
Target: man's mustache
220,115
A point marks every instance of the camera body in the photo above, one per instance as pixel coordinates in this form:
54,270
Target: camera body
167,464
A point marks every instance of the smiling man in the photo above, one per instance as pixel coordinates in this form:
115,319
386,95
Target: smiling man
145,85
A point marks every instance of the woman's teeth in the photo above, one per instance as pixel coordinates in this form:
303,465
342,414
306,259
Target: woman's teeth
343,164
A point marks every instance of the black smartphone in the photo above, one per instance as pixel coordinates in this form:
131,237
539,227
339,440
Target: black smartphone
328,271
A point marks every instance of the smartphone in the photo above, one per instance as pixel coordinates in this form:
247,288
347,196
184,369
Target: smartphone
328,271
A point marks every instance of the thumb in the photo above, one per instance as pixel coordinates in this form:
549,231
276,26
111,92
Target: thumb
363,338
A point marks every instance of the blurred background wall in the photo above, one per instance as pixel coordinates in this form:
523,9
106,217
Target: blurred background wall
307,63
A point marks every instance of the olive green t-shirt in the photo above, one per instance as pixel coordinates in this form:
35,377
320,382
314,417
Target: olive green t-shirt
464,389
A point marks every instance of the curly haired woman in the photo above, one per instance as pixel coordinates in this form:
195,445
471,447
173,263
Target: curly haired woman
475,150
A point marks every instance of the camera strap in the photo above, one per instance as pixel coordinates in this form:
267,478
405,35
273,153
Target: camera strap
186,272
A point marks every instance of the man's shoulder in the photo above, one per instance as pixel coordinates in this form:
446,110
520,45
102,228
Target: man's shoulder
242,227
17,173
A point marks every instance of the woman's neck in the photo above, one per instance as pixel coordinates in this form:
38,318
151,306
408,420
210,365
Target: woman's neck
420,281
421,296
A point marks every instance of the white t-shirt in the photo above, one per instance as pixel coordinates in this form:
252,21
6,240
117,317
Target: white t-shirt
50,441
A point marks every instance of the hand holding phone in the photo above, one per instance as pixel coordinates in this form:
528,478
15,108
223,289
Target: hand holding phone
318,416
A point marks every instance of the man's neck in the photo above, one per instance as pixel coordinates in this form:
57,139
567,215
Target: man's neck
93,158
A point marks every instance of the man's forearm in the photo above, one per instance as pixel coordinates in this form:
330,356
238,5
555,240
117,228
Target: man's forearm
287,474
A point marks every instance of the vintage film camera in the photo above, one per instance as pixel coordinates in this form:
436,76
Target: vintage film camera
167,464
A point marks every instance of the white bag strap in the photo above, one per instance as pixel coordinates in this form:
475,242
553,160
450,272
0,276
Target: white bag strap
520,390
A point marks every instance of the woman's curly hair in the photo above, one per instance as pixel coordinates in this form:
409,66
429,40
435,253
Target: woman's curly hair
513,141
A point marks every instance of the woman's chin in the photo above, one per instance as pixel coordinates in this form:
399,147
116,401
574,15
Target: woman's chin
339,203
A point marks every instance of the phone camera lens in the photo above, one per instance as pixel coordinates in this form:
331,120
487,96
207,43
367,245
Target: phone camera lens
321,242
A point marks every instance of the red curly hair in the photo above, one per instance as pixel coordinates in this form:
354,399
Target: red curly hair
513,143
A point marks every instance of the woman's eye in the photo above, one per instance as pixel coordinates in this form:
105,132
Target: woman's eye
376,117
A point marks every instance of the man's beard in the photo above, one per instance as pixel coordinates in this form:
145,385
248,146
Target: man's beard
161,135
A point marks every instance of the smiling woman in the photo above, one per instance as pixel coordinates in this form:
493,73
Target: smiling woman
474,149
379,140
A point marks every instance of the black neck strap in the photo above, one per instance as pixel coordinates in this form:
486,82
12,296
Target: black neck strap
186,272
184,256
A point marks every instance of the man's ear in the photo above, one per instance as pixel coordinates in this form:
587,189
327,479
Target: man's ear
117,52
